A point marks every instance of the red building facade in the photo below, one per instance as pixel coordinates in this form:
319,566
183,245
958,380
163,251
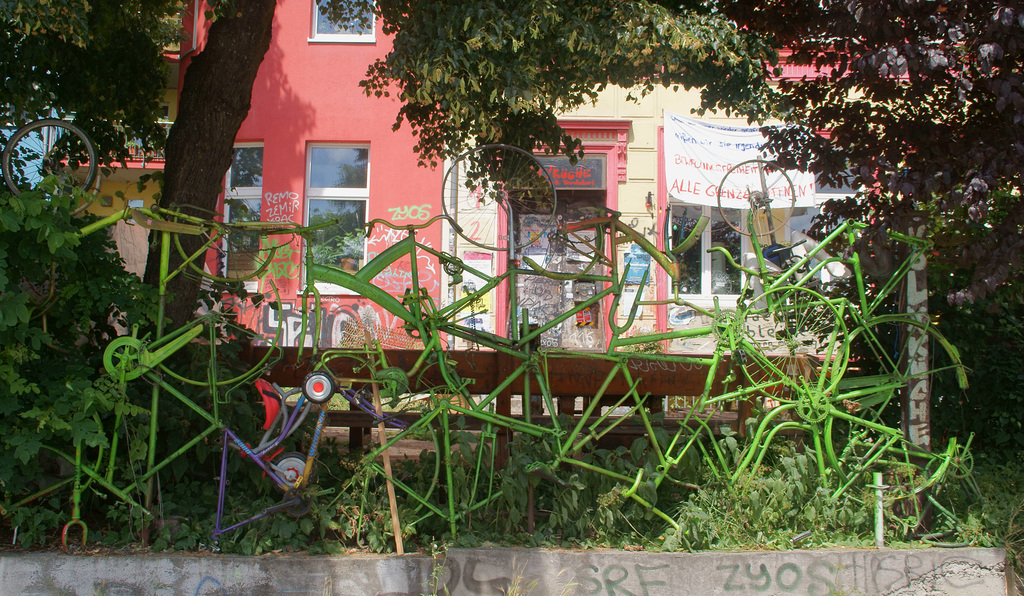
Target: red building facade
314,148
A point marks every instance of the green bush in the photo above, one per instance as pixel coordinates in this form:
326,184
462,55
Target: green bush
990,338
62,299
987,327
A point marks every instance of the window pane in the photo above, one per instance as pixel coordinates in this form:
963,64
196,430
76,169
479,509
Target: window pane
683,222
242,247
341,244
246,168
243,209
338,167
360,21
800,221
725,279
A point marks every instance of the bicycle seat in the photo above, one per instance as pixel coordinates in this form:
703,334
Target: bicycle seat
780,254
271,401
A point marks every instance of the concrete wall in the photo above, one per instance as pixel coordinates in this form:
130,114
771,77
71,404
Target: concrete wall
950,572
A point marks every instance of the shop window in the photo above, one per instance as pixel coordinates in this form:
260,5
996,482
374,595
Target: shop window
337,187
704,273
725,279
701,272
243,189
353,22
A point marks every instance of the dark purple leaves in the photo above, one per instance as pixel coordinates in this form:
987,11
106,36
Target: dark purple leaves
937,59
1005,16
979,186
928,113
987,54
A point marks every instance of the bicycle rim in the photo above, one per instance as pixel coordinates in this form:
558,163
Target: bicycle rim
501,197
49,147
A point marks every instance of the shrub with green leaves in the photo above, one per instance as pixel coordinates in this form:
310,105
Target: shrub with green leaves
62,299
990,336
985,323
776,507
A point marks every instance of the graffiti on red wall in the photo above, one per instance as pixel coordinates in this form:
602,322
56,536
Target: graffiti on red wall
398,276
284,263
410,212
344,322
280,206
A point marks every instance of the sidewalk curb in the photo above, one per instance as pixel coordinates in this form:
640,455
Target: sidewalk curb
952,572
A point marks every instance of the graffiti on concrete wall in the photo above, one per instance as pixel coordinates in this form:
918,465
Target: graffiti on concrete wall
815,578
485,572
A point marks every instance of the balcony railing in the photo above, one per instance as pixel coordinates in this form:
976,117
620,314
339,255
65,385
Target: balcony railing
139,156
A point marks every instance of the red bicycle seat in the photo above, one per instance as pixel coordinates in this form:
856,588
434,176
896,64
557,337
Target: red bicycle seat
271,401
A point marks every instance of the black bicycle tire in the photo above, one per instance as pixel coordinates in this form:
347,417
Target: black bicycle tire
20,133
461,160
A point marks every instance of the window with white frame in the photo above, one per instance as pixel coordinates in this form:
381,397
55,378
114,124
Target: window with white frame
242,192
353,21
706,272
337,187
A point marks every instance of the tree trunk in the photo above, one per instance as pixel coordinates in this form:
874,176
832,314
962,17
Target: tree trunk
215,99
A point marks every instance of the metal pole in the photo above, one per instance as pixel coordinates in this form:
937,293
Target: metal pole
879,511
154,405
917,406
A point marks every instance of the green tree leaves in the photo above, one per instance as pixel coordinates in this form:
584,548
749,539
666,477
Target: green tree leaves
475,71
60,299
101,61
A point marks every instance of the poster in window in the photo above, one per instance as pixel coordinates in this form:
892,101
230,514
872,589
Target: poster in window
639,263
480,309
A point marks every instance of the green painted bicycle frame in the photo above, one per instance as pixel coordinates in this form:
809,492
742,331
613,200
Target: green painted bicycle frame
739,364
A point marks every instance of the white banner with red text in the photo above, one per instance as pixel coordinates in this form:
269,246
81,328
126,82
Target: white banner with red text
699,154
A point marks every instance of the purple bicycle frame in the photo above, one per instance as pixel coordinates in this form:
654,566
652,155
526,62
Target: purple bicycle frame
257,456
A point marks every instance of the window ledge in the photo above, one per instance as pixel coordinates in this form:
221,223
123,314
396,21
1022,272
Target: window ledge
338,40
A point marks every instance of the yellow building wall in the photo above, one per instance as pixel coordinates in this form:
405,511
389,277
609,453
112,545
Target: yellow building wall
119,189
646,115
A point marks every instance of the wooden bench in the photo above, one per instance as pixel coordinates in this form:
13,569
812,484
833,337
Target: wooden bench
361,424
569,377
